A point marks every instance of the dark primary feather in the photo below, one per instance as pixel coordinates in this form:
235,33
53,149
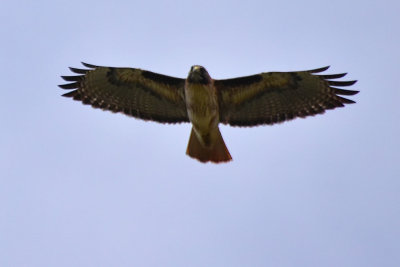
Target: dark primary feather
69,86
341,83
79,71
343,92
318,70
73,78
273,97
90,66
134,92
332,76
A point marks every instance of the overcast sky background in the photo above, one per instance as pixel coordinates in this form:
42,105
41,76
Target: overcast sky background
84,187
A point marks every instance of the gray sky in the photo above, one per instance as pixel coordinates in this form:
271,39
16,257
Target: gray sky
84,187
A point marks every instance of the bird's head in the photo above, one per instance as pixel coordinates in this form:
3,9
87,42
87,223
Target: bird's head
198,74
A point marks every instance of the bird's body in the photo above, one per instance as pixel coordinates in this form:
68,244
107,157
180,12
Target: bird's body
205,141
202,107
264,98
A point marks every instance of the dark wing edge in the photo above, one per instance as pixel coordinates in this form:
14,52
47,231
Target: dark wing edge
149,102
337,91
257,103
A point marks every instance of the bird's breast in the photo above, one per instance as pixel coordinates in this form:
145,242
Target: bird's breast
202,106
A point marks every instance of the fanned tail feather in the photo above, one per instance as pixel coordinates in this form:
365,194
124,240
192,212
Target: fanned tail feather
217,153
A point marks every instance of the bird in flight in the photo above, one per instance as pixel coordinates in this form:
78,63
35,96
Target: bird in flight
265,98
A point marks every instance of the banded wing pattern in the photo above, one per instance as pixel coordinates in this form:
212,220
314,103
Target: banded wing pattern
274,97
134,92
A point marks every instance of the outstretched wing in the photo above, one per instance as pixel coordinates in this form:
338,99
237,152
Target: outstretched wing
273,97
138,93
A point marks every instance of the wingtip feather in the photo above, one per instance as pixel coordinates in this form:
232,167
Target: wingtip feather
339,91
319,69
70,94
72,78
345,100
332,76
78,71
89,65
341,83
69,85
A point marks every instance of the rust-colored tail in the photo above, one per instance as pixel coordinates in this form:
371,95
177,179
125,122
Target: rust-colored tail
217,153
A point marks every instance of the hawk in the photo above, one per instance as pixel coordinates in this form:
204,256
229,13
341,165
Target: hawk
265,98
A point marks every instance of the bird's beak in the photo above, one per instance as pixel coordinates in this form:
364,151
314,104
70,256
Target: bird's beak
196,68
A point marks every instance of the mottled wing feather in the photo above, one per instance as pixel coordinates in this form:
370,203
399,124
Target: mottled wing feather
138,93
273,97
